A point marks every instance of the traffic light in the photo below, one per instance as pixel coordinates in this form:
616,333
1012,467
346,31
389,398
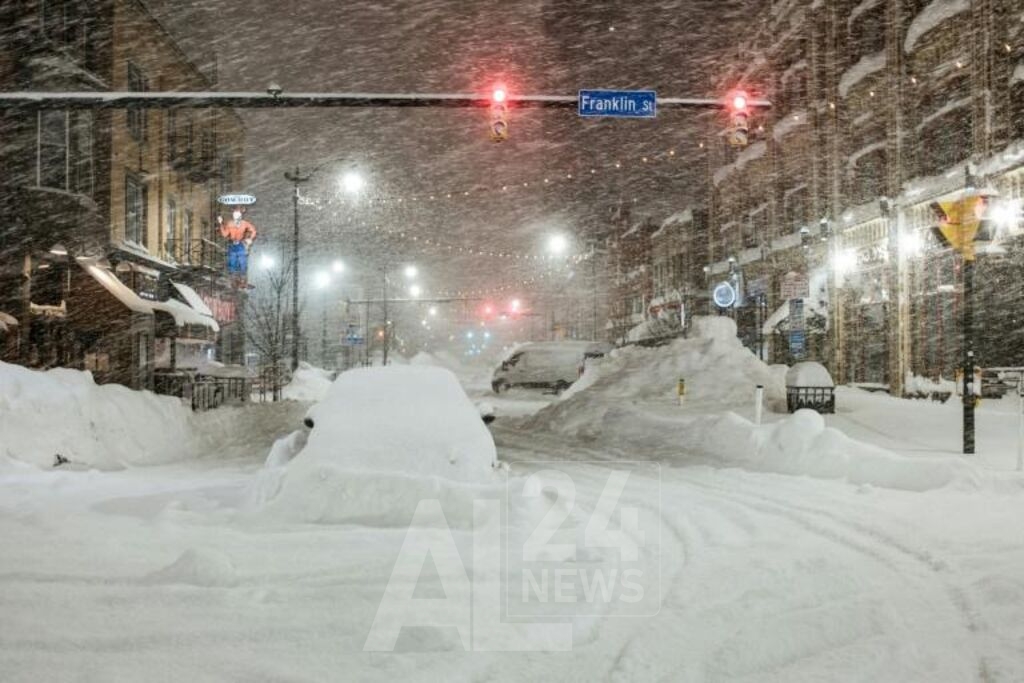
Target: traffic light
739,115
499,114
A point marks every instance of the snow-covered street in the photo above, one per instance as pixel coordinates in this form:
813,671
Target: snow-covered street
168,572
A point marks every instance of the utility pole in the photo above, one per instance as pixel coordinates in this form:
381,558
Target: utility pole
296,179
387,329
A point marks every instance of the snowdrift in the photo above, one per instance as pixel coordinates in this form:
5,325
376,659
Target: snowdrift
64,412
627,402
308,383
719,374
803,445
384,438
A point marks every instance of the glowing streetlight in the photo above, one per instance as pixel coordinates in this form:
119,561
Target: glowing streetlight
415,291
352,182
433,311
411,272
267,262
558,245
338,266
322,279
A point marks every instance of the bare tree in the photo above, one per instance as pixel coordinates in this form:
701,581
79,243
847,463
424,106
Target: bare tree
267,329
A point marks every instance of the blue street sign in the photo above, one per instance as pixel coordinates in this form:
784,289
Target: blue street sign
724,295
797,343
629,104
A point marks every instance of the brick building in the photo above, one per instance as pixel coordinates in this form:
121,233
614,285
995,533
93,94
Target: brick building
109,257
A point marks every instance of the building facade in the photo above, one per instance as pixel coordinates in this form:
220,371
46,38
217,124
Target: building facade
881,109
109,255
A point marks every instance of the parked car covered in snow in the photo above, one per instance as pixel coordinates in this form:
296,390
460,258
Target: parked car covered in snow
546,365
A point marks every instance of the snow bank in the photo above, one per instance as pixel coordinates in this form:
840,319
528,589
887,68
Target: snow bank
308,383
64,412
719,374
808,374
384,438
801,444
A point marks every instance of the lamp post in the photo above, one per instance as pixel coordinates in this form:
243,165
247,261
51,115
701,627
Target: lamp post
351,182
410,272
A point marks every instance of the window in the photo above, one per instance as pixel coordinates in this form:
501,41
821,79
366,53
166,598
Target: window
137,117
81,157
64,156
170,239
186,237
171,126
134,209
52,170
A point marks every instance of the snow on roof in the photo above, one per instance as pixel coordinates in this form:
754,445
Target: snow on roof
790,122
930,17
193,299
185,315
633,229
942,111
118,289
861,9
863,152
1018,73
866,66
797,66
7,319
755,151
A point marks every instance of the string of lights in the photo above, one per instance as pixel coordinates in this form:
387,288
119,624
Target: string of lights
549,180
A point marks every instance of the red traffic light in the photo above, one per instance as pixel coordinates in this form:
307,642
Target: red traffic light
739,101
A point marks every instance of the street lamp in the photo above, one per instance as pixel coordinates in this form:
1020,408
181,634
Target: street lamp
338,266
415,291
410,272
352,182
557,245
267,262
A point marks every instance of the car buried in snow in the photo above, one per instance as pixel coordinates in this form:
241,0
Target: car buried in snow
546,365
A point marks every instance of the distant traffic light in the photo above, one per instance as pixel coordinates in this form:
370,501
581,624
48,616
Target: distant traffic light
499,114
739,115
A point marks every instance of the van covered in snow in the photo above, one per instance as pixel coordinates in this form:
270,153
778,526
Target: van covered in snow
547,365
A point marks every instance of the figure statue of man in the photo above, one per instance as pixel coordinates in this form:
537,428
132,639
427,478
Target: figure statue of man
240,234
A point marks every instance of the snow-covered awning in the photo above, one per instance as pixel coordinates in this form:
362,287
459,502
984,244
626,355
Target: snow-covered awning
193,299
7,321
185,315
782,313
122,292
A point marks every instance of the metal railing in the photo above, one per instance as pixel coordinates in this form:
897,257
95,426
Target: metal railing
203,393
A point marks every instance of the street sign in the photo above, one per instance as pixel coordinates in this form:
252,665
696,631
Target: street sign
236,199
628,104
724,294
797,344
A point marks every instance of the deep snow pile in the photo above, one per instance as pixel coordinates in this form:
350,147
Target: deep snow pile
308,383
64,412
627,402
801,444
718,371
383,438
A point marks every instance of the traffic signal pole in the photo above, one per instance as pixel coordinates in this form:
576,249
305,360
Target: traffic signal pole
278,99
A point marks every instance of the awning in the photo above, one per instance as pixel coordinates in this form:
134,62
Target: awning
122,292
185,315
193,299
7,321
782,313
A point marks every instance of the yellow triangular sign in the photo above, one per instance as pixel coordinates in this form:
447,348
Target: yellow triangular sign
960,221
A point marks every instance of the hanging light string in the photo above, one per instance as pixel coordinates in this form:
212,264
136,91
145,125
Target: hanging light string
515,286
411,238
550,180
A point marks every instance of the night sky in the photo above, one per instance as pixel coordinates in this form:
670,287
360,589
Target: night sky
531,46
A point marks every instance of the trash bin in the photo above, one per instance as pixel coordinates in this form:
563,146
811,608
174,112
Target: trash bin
808,385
